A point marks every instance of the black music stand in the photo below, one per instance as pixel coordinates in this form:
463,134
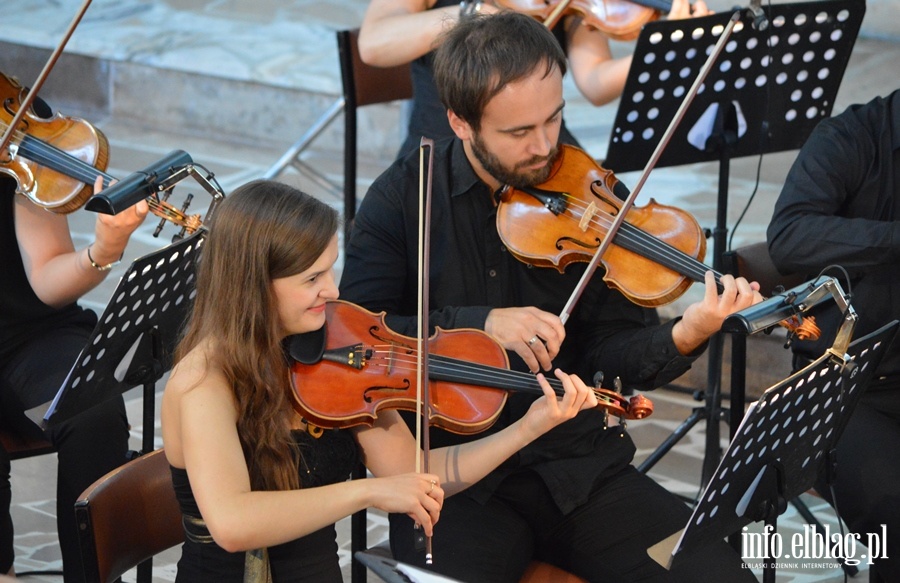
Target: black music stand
767,92
779,448
134,340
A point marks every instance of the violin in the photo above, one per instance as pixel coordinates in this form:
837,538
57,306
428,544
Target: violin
654,257
50,154
56,159
617,19
355,366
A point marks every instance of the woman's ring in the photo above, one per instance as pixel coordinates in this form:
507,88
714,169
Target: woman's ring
432,487
533,340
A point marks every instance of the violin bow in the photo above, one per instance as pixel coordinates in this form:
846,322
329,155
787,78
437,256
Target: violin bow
39,82
424,387
651,163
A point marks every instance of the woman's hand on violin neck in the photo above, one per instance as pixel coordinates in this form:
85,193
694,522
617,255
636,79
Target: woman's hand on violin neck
531,333
419,496
684,9
113,231
704,318
551,410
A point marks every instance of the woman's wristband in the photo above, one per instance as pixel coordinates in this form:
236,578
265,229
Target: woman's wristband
106,267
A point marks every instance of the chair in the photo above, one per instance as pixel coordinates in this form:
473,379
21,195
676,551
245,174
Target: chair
126,517
754,263
362,85
21,447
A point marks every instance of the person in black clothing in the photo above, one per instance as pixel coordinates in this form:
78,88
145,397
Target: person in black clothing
42,331
406,31
572,498
840,205
260,488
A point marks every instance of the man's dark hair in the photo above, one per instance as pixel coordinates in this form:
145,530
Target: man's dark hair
481,54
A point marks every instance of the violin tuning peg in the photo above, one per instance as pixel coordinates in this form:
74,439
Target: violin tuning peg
598,379
617,385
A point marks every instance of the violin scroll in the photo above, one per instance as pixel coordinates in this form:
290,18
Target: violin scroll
803,327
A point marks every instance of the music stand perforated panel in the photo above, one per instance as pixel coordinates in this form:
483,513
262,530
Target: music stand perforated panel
787,75
792,426
134,340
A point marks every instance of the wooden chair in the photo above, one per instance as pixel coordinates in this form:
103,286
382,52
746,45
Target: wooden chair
363,85
754,263
21,447
539,572
128,516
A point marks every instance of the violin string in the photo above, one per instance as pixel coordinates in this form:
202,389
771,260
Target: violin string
45,154
637,238
62,161
480,374
49,155
665,254
474,372
660,251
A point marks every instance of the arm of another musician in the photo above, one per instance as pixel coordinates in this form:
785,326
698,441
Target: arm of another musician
598,76
829,210
394,32
59,274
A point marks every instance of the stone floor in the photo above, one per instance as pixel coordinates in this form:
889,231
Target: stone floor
235,82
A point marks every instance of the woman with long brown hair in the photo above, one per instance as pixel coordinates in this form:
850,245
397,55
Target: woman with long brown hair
259,494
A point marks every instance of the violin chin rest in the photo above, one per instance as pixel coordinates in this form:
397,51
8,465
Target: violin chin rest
307,348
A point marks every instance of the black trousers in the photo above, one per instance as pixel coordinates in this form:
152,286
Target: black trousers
605,539
867,477
88,446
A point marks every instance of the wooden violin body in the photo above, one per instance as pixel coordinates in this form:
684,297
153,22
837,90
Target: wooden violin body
44,153
356,366
565,219
617,19
654,257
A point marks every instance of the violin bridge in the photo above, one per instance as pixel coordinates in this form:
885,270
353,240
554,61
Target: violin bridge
587,217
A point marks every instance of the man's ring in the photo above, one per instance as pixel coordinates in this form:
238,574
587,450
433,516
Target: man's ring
432,487
533,340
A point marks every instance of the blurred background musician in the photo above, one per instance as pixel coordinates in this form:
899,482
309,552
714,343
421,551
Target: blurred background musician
394,32
840,205
42,331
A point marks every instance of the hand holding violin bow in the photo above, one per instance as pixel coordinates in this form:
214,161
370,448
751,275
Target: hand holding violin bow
533,334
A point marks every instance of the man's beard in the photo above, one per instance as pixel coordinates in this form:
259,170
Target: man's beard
514,177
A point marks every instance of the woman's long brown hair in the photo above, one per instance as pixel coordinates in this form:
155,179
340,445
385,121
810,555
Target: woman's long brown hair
263,231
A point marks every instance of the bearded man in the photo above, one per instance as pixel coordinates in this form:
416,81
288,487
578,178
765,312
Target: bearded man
572,498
